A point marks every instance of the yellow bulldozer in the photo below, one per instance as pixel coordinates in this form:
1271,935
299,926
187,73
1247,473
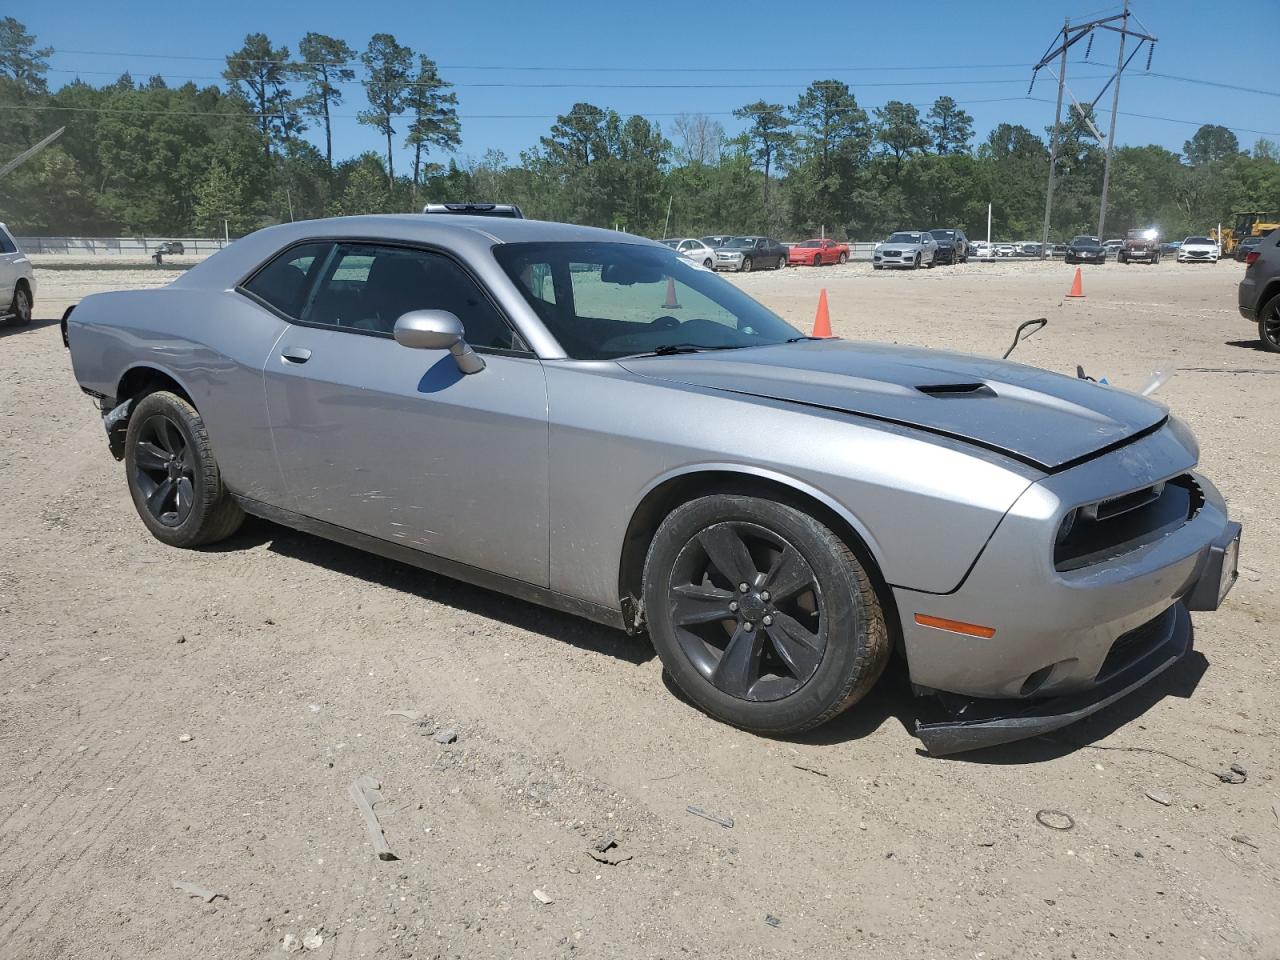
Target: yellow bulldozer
1246,225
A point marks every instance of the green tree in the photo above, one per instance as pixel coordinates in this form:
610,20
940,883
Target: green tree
1211,142
219,201
21,61
389,65
577,138
770,140
899,129
323,67
366,189
834,139
435,123
260,72
950,127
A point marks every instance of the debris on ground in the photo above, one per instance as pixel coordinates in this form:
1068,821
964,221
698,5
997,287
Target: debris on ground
364,791
1160,798
600,852
1235,774
313,939
290,944
821,773
725,822
1055,819
193,890
1245,841
410,715
771,920
185,738
445,736
542,897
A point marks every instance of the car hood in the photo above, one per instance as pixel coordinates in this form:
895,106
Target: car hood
1041,418
882,247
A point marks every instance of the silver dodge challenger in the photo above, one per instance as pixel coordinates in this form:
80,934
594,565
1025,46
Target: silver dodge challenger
589,421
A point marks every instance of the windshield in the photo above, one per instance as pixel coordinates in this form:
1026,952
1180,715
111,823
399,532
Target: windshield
670,243
904,238
943,234
1084,241
1197,240
602,301
810,243
740,242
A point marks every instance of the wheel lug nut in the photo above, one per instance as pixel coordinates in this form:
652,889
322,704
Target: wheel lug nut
768,621
743,587
764,595
733,605
748,626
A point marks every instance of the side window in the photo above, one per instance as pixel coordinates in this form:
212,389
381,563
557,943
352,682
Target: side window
285,281
369,287
6,243
687,246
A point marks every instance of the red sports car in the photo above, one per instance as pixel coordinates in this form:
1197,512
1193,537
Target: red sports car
818,252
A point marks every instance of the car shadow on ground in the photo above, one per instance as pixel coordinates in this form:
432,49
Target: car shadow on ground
425,585
8,328
1252,344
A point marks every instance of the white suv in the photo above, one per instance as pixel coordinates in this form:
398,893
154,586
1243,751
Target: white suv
17,281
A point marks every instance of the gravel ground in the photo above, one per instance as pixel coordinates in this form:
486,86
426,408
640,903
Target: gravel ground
199,717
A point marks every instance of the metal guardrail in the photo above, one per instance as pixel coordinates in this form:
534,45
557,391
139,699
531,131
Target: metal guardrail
116,246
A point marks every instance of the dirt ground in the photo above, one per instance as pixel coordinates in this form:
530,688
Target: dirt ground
199,716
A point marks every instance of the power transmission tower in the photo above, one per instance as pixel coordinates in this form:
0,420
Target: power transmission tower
1064,40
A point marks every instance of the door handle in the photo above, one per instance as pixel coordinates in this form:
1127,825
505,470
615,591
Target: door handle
296,354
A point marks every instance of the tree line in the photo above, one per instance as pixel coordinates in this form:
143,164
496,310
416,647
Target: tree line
144,157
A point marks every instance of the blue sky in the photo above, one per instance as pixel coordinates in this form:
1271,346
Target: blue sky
706,56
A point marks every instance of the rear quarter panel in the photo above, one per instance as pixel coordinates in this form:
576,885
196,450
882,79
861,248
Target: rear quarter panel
214,343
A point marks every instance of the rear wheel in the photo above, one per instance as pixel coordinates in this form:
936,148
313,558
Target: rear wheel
707,263
761,615
843,258
20,308
173,478
1269,324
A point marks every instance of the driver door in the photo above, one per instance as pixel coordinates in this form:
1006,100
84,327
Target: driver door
396,442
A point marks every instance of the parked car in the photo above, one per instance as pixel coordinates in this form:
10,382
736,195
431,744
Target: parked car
507,210
1031,249
953,245
517,404
697,251
1141,245
1259,290
1198,250
172,248
1058,251
718,240
1171,246
982,250
1085,250
17,281
815,253
1005,250
749,253
1113,246
906,248
1246,246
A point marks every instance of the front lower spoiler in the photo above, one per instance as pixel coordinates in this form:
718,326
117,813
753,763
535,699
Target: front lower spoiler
990,723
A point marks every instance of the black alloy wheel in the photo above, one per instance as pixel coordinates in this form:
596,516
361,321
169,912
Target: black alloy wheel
748,611
1269,325
164,470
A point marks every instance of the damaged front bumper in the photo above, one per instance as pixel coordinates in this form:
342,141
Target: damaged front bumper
1134,659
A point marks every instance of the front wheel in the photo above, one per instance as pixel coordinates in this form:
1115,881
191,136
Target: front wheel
761,615
1269,324
20,308
707,263
746,264
173,478
915,264
782,263
842,259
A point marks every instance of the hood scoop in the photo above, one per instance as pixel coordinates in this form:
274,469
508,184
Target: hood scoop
956,389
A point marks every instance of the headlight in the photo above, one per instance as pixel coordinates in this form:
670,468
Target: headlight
1067,525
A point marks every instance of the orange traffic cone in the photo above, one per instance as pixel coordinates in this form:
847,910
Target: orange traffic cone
822,322
1077,287
671,303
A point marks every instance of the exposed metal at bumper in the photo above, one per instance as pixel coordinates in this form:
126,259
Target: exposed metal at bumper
992,723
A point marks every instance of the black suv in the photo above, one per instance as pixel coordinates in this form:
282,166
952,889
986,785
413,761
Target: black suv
953,246
1259,291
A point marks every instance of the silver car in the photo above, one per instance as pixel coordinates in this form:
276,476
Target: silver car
696,251
586,420
907,248
17,281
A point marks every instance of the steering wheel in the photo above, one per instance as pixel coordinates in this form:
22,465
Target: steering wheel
666,322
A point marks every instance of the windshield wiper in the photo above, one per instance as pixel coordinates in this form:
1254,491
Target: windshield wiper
667,349
798,339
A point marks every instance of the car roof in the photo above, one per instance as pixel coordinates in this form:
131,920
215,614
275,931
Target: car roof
465,234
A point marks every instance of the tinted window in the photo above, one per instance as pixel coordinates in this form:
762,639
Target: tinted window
285,281
1197,240
369,287
6,243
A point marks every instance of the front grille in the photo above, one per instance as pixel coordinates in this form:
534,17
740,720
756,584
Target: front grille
1134,645
1117,525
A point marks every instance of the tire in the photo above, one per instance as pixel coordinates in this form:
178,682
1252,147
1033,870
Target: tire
877,266
842,259
825,645
1269,324
167,447
708,264
916,264
782,263
817,260
20,307
746,265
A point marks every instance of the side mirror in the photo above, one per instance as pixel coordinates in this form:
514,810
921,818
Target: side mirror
437,330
